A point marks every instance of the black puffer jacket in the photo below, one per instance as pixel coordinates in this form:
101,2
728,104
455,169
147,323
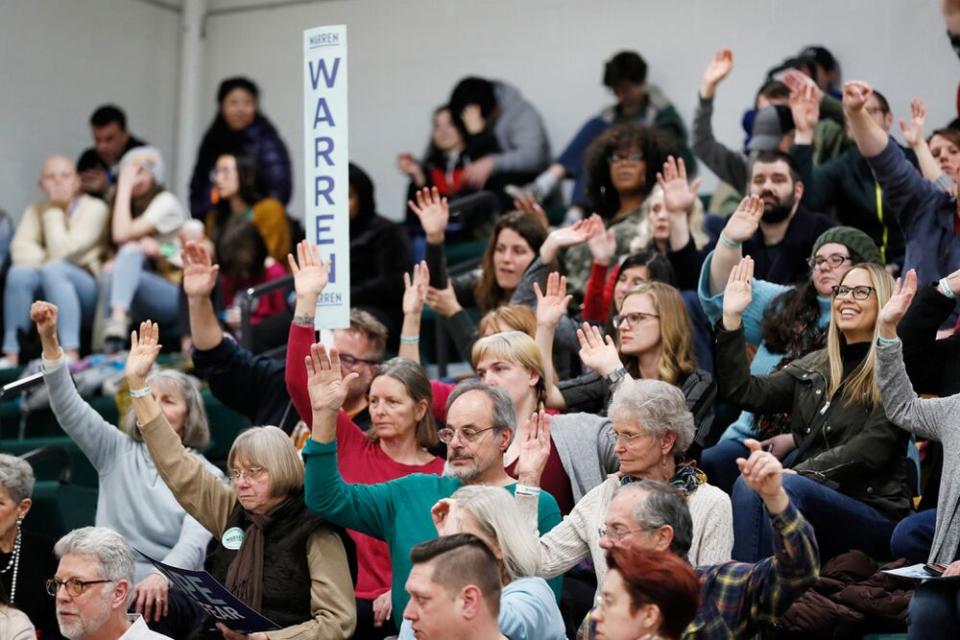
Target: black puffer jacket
857,450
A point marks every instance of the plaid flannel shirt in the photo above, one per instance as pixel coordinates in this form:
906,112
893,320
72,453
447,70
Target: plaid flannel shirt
738,599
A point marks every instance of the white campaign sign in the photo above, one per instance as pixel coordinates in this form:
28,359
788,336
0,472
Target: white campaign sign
326,158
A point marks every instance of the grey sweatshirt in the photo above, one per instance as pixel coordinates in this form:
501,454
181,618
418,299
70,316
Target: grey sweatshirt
133,499
937,419
521,133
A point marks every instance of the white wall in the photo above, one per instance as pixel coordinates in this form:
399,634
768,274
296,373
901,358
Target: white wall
59,60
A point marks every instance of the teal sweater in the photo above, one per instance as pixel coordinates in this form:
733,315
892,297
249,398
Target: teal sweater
397,512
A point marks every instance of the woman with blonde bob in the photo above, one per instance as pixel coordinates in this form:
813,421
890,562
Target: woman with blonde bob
528,607
848,459
582,451
273,552
654,341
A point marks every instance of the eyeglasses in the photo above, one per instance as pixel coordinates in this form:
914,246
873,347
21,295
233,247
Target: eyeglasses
616,534
625,439
616,158
834,260
253,473
75,586
857,293
351,361
631,319
467,434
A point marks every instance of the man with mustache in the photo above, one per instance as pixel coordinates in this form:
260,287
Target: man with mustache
480,425
787,232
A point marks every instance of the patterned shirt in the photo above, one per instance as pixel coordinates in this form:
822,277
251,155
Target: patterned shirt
737,599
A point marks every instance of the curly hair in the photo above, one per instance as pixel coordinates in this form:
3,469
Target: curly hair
652,144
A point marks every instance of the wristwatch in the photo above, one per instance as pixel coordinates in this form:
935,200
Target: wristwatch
614,377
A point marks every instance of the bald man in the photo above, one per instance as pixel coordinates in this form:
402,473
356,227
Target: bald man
57,249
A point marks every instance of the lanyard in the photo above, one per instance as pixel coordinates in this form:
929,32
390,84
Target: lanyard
883,245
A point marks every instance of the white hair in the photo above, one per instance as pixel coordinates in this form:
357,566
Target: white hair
108,547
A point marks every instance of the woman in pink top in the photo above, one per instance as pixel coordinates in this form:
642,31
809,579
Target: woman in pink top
402,428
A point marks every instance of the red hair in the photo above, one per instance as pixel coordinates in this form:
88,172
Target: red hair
661,578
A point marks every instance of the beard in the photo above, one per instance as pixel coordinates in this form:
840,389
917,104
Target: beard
780,211
467,470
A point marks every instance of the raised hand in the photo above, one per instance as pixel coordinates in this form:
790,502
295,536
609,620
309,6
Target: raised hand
745,220
446,517
719,68
898,304
805,107
415,289
913,131
534,449
433,211
144,349
602,243
199,272
855,94
763,473
678,194
527,203
798,80
44,314
738,294
552,305
310,273
325,382
598,353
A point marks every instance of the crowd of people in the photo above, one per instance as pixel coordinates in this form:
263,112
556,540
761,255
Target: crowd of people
679,410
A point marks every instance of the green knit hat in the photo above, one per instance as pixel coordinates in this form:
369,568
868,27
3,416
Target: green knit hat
862,247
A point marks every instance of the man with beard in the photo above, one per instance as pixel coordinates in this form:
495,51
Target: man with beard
93,587
480,425
782,244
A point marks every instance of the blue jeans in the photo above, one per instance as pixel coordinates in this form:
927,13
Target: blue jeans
841,523
934,611
141,293
719,462
913,536
63,283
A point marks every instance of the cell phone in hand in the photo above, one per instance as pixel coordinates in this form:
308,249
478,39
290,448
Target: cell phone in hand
935,568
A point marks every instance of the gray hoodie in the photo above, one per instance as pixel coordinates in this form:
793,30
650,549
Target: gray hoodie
519,130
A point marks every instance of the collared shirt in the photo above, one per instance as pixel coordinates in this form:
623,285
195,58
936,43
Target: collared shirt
139,630
737,599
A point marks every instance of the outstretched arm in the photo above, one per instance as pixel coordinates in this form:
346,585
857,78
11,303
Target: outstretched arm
868,135
739,228
551,307
414,297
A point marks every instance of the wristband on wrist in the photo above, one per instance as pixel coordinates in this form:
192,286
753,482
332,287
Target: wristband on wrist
140,393
886,342
728,242
526,490
945,289
409,339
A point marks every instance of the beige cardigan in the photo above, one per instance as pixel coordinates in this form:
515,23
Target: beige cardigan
47,233
206,498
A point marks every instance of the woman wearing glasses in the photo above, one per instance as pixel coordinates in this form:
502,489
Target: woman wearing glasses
783,323
133,499
273,553
848,460
654,341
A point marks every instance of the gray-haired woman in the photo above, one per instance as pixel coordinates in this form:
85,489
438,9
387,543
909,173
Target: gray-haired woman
133,499
25,559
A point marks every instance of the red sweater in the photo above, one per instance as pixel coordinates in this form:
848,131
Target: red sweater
360,460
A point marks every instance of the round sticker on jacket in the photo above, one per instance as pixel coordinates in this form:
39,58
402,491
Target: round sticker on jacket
232,538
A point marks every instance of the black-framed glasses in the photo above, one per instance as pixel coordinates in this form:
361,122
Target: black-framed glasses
351,361
467,434
632,319
616,158
857,293
75,587
834,260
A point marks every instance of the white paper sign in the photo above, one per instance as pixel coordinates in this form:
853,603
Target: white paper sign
326,158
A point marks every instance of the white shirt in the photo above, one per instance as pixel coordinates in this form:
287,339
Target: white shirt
139,630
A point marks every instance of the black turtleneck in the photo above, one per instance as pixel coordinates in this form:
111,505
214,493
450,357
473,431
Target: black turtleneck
852,355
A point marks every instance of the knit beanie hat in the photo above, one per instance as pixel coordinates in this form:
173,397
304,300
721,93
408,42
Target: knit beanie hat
862,247
147,157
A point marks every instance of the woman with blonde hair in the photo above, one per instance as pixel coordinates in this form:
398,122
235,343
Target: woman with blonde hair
848,459
654,341
273,553
528,608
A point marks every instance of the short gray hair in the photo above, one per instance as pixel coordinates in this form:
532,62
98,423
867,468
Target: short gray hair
16,476
657,407
504,415
662,504
108,547
196,428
